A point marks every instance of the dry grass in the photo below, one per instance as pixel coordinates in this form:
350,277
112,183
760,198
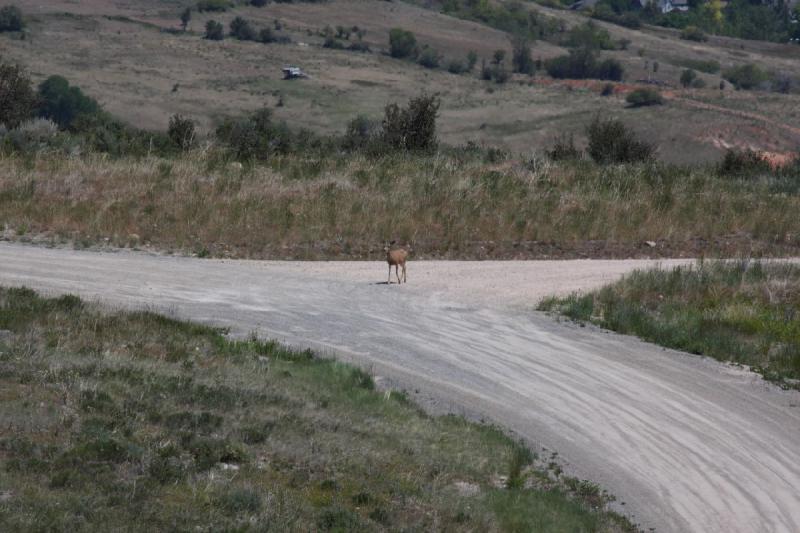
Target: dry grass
136,422
347,206
132,66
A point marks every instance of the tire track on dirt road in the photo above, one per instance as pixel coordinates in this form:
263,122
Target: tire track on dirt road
687,443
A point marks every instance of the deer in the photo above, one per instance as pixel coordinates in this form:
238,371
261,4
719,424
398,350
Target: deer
396,256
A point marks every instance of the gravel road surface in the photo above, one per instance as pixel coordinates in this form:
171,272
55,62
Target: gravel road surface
688,444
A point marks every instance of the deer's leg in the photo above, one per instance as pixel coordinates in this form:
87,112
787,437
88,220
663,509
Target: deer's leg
397,273
405,277
389,281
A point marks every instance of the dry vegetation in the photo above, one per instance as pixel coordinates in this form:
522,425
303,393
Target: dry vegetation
119,53
137,422
448,204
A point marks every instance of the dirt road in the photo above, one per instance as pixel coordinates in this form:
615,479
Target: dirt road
688,444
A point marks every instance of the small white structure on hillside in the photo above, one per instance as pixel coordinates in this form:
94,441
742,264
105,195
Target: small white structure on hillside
290,73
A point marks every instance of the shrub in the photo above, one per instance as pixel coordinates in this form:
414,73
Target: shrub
688,76
745,76
589,36
693,33
181,131
472,59
11,19
521,60
429,58
402,44
456,66
18,100
360,133
31,136
742,162
708,66
610,141
266,35
564,148
63,103
258,3
241,29
412,127
607,90
582,64
332,43
213,5
254,137
186,16
644,97
500,74
214,31
359,46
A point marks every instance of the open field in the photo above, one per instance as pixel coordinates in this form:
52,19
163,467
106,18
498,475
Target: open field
686,443
446,206
135,421
119,53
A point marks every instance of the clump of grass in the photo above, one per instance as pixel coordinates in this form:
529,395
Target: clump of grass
106,427
740,311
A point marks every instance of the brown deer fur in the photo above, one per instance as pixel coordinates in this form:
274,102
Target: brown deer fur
396,257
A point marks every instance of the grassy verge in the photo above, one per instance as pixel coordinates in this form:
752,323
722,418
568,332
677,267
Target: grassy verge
448,205
740,311
137,421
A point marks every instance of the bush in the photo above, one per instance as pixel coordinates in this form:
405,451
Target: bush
456,66
213,5
361,132
564,148
258,3
741,163
266,35
332,43
214,31
31,136
241,29
63,103
429,58
521,60
11,19
745,76
611,142
708,66
589,36
688,76
644,97
607,90
693,33
412,127
181,131
472,59
359,46
582,64
402,44
18,101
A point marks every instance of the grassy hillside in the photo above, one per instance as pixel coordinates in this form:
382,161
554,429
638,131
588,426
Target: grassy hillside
739,311
139,422
121,53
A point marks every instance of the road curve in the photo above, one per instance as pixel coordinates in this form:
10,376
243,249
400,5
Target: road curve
687,443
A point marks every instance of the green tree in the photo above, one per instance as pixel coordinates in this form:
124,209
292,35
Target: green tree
242,30
402,44
214,31
63,103
472,58
521,60
181,132
412,127
18,100
687,77
11,19
186,16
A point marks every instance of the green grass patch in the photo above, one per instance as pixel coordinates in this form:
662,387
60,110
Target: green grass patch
120,421
740,311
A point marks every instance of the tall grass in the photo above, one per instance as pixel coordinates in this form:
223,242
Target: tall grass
135,422
345,206
740,311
